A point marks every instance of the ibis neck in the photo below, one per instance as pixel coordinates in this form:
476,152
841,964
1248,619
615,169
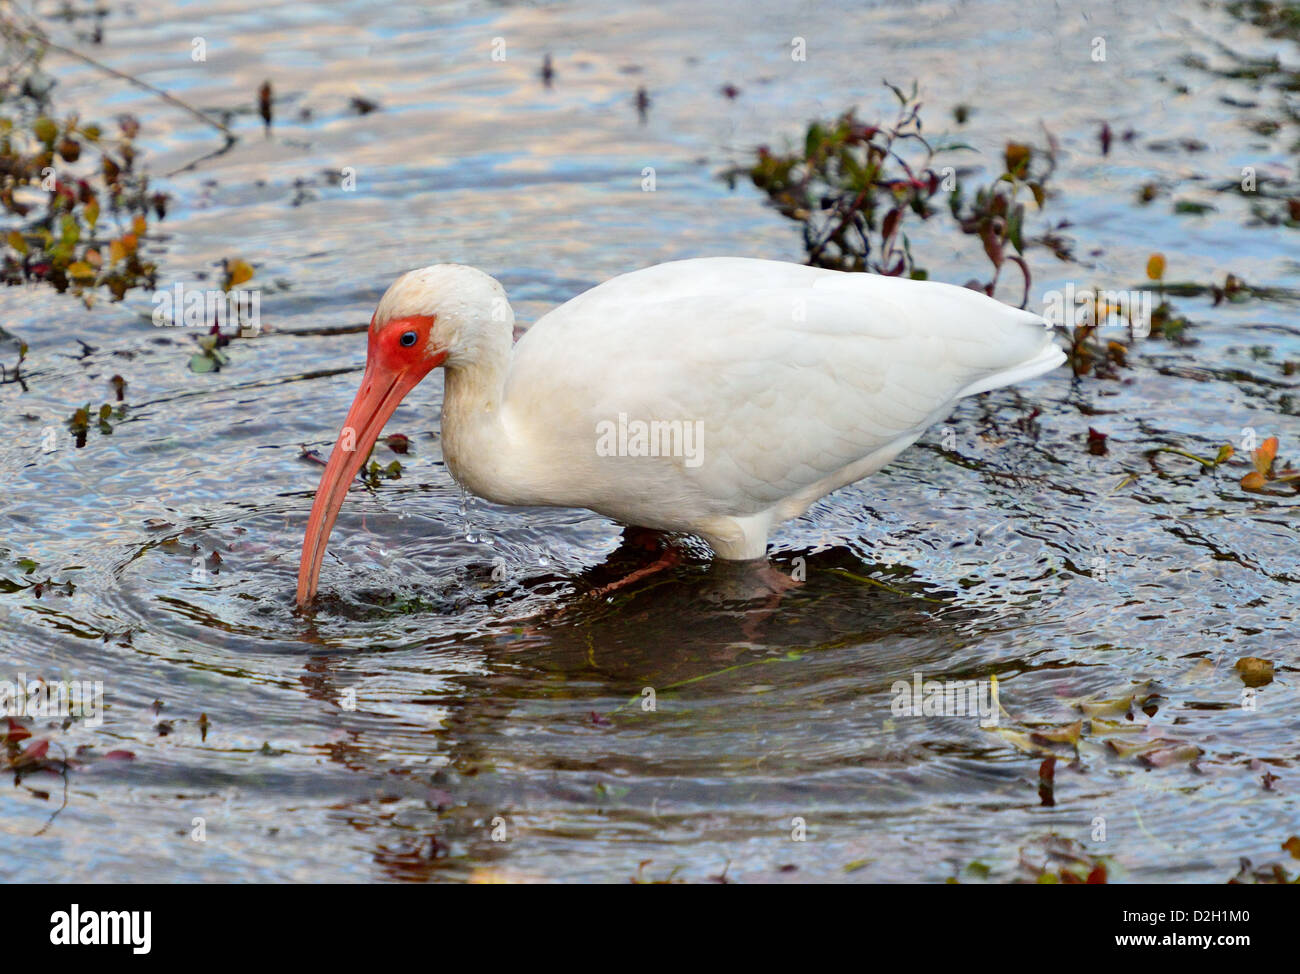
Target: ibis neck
475,442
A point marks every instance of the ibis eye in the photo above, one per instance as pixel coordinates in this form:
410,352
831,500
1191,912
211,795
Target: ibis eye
408,338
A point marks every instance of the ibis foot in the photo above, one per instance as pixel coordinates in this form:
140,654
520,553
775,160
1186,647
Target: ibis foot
669,558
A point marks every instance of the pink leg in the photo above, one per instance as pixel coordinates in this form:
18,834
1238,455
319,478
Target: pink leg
669,559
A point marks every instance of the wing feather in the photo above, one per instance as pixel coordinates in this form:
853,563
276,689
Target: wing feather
795,373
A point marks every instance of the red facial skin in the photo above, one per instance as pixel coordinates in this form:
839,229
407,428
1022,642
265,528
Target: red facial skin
392,370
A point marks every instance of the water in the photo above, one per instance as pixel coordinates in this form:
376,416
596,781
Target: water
455,686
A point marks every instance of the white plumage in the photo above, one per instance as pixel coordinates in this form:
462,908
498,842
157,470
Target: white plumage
801,379
794,381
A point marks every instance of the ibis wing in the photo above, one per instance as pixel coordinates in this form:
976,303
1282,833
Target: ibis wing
791,373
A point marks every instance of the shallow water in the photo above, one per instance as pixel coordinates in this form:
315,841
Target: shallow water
506,700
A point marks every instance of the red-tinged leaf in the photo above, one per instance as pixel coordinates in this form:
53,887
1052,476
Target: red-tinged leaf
1047,782
1098,876
890,224
31,757
1253,480
119,756
1096,442
1292,845
993,246
16,731
36,750
1264,456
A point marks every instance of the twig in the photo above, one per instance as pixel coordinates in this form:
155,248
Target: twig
55,814
36,34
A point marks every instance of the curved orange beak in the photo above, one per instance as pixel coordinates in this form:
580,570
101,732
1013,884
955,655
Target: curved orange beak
382,389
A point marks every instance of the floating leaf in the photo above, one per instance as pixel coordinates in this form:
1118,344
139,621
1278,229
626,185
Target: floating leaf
30,758
14,732
237,272
1100,728
1157,753
1264,456
1069,734
1156,267
1163,757
1254,671
1254,480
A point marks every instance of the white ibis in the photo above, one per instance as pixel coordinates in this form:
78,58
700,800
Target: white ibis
715,397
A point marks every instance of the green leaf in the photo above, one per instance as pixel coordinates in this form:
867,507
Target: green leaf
45,130
814,139
1015,227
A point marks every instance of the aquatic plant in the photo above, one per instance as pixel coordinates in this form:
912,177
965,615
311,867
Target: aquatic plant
76,208
850,188
853,187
